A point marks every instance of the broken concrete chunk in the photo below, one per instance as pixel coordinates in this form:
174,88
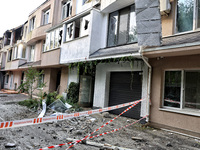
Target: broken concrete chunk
106,115
10,145
137,138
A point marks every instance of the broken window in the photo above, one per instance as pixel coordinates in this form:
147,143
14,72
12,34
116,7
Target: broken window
179,93
121,29
24,52
10,54
78,28
15,53
52,39
46,17
66,9
84,25
40,81
32,53
70,31
31,24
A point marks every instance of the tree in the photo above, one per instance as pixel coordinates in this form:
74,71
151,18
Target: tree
33,81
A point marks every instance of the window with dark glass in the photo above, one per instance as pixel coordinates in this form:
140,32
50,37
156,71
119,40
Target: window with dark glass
172,89
182,94
122,27
66,9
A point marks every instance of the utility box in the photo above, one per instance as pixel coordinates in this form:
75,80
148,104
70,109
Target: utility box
165,7
85,91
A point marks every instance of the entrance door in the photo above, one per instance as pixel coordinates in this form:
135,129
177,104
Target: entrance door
126,87
11,81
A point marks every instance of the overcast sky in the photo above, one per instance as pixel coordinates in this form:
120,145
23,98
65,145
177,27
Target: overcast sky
15,12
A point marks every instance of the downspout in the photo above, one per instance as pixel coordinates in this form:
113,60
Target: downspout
149,81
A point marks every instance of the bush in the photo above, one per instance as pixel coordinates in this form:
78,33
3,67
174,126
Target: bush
60,97
73,93
31,103
50,98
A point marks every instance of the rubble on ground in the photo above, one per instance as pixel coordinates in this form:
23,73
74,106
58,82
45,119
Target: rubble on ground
43,135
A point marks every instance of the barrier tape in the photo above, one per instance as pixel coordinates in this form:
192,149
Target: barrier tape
171,101
34,121
90,137
105,124
176,102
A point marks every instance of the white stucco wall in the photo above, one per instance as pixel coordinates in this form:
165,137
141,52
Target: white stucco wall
73,76
102,82
80,48
98,34
76,50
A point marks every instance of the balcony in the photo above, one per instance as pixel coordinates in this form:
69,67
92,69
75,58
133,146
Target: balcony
37,34
14,64
51,58
78,48
108,6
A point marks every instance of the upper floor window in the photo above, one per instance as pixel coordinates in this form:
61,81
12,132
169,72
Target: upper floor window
78,28
46,17
66,9
182,89
15,53
10,53
32,53
32,24
53,39
188,17
122,27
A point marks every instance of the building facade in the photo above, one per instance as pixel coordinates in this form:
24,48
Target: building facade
175,76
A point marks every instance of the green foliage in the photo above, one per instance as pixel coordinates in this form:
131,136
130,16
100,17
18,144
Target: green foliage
51,97
31,77
89,67
73,93
32,103
60,97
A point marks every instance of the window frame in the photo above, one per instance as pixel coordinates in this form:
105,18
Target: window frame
10,55
118,23
40,81
81,22
47,44
182,90
195,18
32,48
32,24
45,12
64,6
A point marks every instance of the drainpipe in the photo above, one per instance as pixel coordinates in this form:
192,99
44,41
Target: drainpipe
149,81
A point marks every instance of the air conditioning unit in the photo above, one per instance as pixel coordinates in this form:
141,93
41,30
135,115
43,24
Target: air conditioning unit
165,7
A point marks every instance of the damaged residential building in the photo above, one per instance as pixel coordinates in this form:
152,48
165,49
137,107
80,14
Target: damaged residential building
12,56
175,94
118,51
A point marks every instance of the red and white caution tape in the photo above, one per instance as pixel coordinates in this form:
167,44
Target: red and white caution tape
34,121
119,128
171,101
114,130
136,102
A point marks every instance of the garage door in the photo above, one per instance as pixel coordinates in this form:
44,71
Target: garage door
126,87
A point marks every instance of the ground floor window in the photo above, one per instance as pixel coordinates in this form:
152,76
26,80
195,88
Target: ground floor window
40,81
6,79
182,89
